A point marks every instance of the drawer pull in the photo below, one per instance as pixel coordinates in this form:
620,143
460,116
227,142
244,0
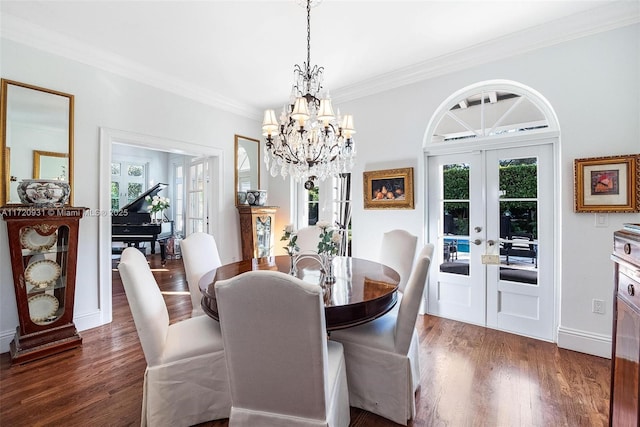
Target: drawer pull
627,248
631,290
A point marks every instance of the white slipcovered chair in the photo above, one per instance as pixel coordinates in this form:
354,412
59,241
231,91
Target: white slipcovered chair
282,369
199,255
308,238
383,369
398,251
186,380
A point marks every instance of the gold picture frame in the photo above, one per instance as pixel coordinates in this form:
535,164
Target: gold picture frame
607,184
388,189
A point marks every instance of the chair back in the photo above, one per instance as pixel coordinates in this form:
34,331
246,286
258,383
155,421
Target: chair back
410,304
200,255
398,251
308,238
147,304
275,339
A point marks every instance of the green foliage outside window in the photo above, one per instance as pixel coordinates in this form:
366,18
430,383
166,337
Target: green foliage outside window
314,198
518,179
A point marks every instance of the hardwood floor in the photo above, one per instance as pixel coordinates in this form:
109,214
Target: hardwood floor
471,376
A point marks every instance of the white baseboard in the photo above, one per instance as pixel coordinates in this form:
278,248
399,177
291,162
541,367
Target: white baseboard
82,322
584,342
5,339
91,320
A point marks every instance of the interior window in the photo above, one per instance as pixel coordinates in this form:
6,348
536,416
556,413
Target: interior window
342,213
313,204
127,182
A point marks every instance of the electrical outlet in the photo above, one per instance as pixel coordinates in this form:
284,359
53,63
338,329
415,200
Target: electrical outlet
598,306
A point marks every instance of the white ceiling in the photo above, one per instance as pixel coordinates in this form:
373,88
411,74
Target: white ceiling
239,55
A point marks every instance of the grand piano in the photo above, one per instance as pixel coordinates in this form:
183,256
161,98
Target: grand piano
132,224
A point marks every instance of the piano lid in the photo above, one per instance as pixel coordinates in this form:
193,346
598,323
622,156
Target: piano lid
140,204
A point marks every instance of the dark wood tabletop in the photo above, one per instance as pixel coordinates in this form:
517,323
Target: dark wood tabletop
363,290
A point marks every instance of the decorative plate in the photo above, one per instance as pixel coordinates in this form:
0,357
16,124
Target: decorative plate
42,308
42,273
32,239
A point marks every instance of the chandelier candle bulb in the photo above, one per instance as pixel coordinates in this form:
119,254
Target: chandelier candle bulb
326,112
347,124
300,111
270,123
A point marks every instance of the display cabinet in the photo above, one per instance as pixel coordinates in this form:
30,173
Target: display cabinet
43,245
256,230
625,355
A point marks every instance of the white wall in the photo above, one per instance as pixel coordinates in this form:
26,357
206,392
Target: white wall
594,86
106,100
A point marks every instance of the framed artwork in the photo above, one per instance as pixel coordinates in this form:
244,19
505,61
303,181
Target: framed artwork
607,184
388,189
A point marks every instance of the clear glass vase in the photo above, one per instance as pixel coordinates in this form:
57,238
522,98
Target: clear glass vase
329,276
292,265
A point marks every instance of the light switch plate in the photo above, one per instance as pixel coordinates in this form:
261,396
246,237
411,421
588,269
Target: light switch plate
491,259
602,220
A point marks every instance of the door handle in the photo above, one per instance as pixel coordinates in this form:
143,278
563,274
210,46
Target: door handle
477,242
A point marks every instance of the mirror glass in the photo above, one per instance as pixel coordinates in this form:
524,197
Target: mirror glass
37,136
247,164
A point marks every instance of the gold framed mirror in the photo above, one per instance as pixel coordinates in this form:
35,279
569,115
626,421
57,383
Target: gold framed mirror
246,164
37,136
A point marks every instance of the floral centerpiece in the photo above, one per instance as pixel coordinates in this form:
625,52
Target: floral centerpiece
330,239
157,204
291,237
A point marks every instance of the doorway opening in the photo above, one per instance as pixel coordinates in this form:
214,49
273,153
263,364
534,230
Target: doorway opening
109,137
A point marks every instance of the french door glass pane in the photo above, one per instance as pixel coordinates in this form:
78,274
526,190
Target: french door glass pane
178,210
196,225
197,204
519,220
197,177
455,219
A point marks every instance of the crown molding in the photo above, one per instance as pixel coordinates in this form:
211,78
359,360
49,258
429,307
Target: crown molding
611,16
24,32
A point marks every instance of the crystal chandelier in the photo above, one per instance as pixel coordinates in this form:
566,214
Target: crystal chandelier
309,141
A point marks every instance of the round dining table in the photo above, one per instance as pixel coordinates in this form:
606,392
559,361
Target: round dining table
363,290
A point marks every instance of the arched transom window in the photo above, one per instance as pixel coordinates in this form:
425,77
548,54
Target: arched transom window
489,110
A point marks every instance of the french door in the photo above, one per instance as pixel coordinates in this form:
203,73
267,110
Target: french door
491,217
197,215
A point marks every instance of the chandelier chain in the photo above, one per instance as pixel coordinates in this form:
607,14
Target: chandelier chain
308,38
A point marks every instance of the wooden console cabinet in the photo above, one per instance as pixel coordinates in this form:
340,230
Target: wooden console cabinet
43,245
625,357
256,230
